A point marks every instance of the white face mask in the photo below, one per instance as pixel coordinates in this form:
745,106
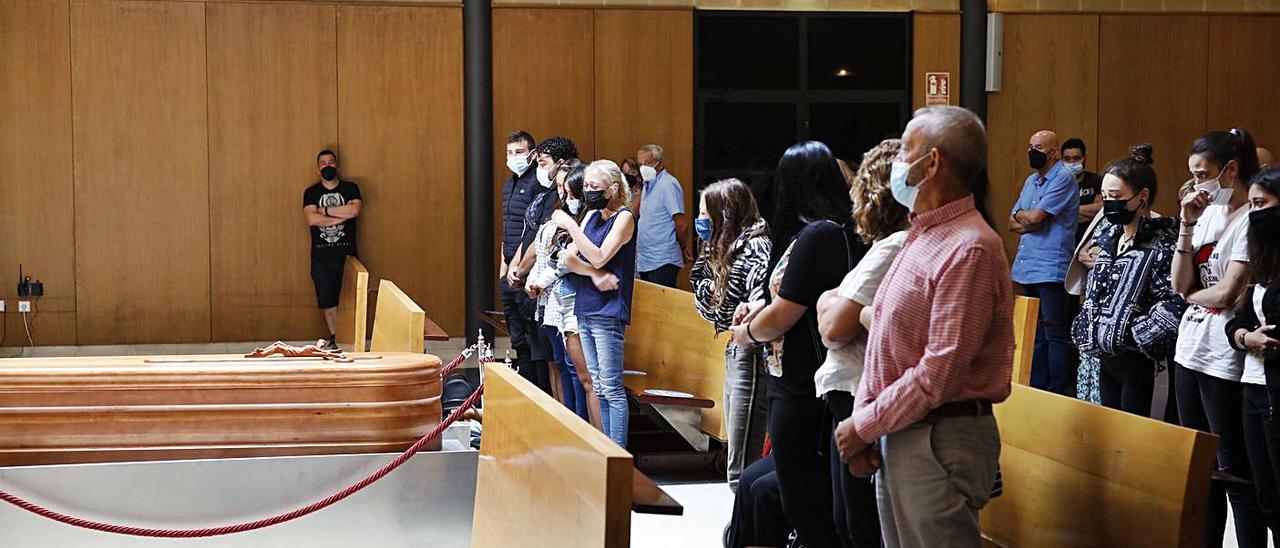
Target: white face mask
1217,194
544,178
1076,168
574,204
518,164
904,193
647,173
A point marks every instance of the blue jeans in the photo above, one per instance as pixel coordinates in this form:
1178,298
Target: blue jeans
602,346
575,398
1051,362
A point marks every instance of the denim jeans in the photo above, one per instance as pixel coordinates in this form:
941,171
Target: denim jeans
602,346
746,408
1051,362
574,396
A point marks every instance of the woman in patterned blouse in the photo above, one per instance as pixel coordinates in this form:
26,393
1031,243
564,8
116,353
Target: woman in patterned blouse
1131,311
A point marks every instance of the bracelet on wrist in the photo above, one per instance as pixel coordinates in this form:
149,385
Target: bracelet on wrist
752,337
1188,224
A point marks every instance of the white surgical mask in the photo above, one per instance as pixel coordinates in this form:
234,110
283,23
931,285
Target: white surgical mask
1076,168
574,204
544,178
518,164
1217,194
902,192
647,173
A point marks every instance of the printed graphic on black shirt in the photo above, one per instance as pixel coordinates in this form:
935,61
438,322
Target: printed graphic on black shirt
339,238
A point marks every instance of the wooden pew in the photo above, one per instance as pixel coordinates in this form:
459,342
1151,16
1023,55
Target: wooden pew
353,306
1078,474
138,408
1026,311
676,350
398,322
547,478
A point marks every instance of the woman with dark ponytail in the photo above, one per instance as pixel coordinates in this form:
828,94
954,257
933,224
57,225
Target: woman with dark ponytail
1130,316
1210,271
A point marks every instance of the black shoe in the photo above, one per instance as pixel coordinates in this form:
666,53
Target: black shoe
333,345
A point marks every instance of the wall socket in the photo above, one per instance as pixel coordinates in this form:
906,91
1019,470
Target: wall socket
24,306
1,306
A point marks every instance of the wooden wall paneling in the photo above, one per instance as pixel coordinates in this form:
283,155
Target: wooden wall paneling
36,215
1242,49
1153,84
272,107
542,83
400,126
935,48
1050,82
644,87
141,172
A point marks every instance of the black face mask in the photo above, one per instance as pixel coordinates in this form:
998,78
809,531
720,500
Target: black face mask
1265,223
1117,212
329,173
594,199
632,180
1038,159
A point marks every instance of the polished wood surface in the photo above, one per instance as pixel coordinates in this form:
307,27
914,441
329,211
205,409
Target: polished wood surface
545,476
1050,82
100,409
1251,42
141,172
398,322
400,128
676,349
1098,477
1154,101
935,48
353,307
1026,312
36,214
272,107
648,498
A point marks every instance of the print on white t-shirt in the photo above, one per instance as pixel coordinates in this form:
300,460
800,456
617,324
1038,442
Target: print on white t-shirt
1219,239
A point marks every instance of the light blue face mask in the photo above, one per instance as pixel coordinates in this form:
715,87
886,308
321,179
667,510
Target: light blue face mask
902,192
1076,168
703,228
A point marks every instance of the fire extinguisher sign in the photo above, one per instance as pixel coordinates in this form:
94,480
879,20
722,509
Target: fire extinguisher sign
937,88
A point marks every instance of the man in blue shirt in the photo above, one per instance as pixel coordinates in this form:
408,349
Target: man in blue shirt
662,236
1046,215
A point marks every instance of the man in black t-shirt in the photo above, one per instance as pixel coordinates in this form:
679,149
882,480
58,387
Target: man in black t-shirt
331,207
1090,183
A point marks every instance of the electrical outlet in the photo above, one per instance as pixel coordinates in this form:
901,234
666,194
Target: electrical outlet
24,306
1,306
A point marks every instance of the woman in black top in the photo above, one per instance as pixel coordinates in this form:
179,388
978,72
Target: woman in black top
814,246
1253,330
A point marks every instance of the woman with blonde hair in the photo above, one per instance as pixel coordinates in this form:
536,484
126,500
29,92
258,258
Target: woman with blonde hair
603,258
730,271
882,222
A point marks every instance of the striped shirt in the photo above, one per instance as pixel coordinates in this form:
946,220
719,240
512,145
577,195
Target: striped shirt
943,323
746,277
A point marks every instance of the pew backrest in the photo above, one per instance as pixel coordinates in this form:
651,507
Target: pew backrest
353,306
676,350
546,477
1025,313
397,321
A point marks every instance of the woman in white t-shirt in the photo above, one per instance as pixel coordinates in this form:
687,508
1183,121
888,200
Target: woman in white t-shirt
1210,267
881,222
1253,331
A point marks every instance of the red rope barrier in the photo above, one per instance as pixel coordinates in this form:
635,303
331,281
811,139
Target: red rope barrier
250,526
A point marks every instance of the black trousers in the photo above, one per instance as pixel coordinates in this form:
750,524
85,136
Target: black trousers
1126,382
528,340
1262,441
757,508
799,430
853,501
1211,404
663,275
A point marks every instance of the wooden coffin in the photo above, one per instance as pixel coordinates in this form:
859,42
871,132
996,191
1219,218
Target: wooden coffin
130,408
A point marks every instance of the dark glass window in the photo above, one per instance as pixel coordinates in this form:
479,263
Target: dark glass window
858,53
747,136
852,129
748,52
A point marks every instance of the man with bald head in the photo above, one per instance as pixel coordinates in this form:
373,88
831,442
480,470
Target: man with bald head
1264,158
1045,216
922,416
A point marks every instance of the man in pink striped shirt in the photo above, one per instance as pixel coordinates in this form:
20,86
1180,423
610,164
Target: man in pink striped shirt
940,349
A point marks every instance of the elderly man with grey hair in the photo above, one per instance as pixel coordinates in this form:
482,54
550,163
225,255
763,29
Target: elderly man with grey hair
662,236
922,418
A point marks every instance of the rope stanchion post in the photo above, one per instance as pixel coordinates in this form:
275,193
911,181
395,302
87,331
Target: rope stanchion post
266,522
